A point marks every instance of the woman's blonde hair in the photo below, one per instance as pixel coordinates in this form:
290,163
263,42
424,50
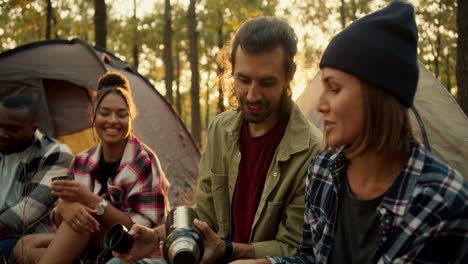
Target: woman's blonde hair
387,126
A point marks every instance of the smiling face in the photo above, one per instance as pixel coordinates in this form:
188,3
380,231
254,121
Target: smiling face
259,84
341,104
112,119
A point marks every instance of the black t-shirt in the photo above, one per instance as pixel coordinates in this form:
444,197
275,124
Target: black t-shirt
357,232
106,170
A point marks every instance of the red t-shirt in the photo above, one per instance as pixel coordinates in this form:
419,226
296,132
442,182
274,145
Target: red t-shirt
256,156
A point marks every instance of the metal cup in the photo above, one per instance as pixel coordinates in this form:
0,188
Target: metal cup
62,178
117,239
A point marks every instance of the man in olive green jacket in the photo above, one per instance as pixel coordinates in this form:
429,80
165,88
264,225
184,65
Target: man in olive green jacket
276,229
262,59
250,194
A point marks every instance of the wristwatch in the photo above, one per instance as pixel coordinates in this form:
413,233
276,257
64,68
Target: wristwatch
101,207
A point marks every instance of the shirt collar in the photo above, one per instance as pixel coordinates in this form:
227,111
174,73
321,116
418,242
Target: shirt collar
131,148
398,196
338,164
39,138
296,136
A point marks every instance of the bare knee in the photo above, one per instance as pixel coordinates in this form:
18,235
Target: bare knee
19,250
29,248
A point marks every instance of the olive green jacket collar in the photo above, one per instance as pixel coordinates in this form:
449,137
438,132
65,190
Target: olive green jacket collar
294,139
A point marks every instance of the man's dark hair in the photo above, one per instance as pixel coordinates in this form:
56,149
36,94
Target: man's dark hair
257,35
264,34
18,101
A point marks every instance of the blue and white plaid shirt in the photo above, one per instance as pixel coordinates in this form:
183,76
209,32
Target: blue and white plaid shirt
423,216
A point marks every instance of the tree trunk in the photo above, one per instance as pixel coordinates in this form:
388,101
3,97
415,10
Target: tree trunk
448,72
207,100
178,98
462,54
48,19
437,55
353,10
195,79
168,66
100,26
135,38
343,14
220,78
84,13
54,24
438,46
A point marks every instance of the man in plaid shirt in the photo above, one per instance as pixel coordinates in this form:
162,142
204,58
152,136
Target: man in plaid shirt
28,162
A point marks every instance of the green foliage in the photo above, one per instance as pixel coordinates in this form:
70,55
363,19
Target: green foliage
316,21
436,22
21,22
438,38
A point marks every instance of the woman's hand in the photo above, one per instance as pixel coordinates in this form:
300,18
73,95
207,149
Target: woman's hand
78,216
146,241
74,191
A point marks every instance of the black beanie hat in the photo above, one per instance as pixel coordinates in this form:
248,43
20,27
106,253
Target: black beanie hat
380,48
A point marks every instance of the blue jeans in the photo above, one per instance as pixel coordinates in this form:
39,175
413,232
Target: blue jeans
7,245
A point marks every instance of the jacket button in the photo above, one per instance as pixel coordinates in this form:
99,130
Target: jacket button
275,174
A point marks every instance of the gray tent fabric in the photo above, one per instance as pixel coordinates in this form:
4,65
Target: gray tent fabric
64,95
62,74
442,119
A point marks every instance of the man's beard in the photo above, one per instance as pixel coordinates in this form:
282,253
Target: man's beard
268,109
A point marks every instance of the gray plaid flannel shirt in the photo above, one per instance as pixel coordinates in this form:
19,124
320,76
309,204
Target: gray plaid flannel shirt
32,199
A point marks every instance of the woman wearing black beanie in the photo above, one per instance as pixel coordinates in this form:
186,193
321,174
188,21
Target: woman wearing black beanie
374,194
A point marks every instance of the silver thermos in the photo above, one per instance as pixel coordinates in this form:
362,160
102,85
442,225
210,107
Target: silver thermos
184,244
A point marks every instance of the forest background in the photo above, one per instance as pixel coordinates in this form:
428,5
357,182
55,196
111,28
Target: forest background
175,43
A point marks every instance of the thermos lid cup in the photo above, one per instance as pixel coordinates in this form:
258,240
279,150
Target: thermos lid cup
117,239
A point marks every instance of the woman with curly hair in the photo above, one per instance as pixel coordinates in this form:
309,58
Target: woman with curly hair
119,180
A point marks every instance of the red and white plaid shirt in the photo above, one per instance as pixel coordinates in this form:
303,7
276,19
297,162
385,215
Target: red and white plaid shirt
139,188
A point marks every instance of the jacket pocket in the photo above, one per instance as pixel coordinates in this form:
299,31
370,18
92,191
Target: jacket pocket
266,226
219,181
273,209
220,192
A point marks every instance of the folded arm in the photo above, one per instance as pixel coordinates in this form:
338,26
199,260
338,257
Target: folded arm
37,198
